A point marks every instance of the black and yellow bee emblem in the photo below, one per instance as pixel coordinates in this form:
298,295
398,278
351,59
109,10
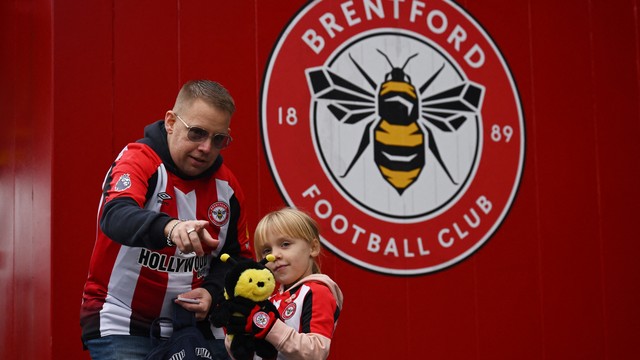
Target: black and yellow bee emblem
403,117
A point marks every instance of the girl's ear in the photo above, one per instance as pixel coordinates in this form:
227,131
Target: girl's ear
315,248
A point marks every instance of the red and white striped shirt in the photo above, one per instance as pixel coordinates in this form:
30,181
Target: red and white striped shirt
133,275
309,312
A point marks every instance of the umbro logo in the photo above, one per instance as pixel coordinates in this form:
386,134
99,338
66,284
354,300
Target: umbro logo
163,196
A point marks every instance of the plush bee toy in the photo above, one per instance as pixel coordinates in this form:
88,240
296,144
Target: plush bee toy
246,312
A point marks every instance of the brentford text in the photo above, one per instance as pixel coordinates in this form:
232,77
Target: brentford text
435,22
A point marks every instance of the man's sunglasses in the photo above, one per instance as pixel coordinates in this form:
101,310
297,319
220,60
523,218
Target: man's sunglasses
196,134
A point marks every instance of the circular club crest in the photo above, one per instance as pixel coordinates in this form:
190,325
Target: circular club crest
261,319
398,125
219,213
289,311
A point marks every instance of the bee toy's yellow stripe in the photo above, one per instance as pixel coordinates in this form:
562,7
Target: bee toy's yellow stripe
399,179
399,135
398,87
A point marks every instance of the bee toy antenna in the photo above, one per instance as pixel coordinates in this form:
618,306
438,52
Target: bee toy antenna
226,257
268,258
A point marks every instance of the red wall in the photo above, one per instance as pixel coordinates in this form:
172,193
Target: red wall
558,280
25,178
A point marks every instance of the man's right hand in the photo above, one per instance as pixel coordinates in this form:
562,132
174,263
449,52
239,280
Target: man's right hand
190,235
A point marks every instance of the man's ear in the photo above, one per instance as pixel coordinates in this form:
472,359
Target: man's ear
169,121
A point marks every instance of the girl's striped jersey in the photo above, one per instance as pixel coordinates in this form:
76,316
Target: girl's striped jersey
310,311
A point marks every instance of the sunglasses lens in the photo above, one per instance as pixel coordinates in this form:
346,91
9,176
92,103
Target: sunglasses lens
221,141
196,134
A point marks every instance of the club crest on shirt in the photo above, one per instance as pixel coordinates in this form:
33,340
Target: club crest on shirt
124,182
289,311
219,213
261,319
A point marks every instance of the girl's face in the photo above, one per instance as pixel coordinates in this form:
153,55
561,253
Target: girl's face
294,257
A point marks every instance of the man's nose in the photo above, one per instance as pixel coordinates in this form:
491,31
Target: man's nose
206,145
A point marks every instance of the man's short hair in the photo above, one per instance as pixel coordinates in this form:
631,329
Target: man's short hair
211,92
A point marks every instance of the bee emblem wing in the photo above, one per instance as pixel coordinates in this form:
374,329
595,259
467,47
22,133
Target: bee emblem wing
449,109
349,103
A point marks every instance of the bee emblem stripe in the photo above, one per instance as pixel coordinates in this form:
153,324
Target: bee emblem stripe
400,179
399,135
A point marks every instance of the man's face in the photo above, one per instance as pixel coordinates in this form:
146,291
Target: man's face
193,157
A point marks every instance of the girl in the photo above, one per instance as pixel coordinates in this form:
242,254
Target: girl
308,301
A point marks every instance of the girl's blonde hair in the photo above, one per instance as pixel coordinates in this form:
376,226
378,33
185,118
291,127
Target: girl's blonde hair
292,223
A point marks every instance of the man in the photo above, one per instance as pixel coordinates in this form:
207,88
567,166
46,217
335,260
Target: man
169,207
